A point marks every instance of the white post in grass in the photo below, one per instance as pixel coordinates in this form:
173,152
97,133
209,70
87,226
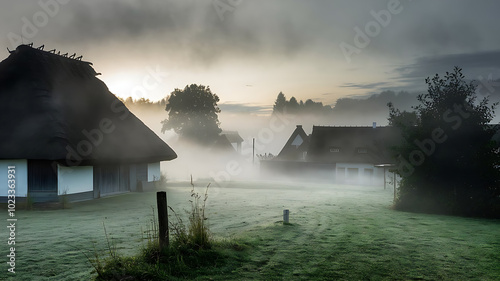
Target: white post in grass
394,186
286,214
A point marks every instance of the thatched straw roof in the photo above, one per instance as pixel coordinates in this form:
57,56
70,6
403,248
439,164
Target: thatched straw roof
353,144
54,108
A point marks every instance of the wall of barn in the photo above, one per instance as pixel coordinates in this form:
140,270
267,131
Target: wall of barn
154,172
72,180
21,177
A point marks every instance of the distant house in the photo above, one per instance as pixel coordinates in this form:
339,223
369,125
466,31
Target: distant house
355,152
228,142
66,133
222,145
345,155
234,139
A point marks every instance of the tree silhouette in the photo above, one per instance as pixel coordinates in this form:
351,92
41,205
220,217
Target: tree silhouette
292,106
447,160
280,104
192,113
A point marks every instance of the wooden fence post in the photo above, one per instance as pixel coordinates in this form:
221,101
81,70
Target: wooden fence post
161,201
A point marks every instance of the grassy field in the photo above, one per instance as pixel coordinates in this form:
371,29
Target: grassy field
336,233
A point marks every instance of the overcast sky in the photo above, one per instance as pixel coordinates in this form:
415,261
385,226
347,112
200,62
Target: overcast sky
248,51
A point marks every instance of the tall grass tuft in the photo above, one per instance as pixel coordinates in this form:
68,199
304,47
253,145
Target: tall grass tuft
151,251
192,249
191,246
63,200
198,232
196,235
98,263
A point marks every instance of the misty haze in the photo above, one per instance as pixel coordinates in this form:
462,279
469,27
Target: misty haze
250,140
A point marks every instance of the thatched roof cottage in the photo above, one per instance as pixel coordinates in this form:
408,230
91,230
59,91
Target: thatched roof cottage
66,133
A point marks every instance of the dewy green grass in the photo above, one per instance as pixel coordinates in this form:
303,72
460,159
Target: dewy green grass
335,233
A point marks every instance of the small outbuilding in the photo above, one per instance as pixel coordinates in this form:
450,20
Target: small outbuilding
67,134
234,139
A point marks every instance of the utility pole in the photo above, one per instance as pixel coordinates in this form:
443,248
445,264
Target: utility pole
253,151
394,186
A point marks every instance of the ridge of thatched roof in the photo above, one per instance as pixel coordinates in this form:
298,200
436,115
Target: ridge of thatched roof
54,108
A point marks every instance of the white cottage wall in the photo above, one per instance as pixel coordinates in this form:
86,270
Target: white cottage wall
359,173
154,171
71,180
21,177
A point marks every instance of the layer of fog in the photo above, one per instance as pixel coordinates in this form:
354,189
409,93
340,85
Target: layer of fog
262,135
268,132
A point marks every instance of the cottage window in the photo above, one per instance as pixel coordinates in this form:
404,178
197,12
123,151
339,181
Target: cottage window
334,149
297,141
362,150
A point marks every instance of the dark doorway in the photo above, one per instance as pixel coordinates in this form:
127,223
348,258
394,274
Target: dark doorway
42,180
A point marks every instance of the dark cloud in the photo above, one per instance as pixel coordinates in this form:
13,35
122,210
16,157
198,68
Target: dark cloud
376,103
255,28
427,37
114,20
435,35
472,62
192,28
476,66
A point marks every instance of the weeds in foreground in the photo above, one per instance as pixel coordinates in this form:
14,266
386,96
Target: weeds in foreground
192,249
198,232
152,232
63,200
99,263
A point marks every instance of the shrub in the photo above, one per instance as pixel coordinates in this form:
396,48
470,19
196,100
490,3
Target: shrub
447,159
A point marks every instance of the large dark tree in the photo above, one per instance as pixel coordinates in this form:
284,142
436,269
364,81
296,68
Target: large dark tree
192,113
447,160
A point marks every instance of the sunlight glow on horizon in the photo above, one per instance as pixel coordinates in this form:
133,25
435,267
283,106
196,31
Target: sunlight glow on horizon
240,82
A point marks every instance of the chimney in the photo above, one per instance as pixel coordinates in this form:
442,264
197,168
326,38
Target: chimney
374,125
